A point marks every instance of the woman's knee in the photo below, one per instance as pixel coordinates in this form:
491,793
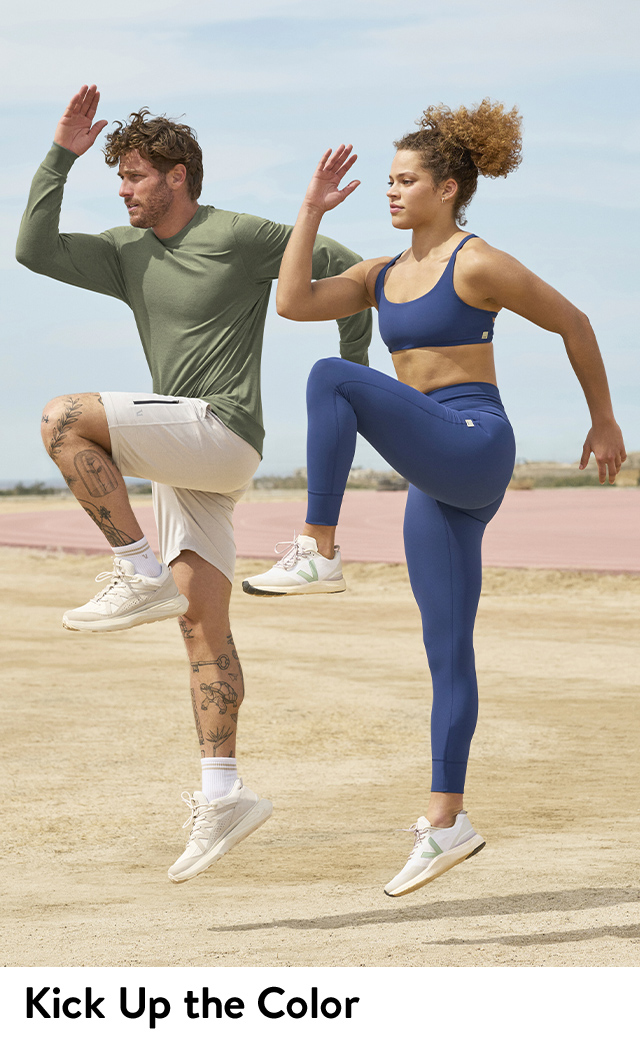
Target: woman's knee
330,370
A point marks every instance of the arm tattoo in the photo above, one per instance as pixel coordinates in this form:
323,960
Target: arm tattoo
102,518
219,737
222,662
195,715
97,473
71,414
219,693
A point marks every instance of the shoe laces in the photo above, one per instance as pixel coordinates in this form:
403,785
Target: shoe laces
420,833
119,577
293,552
197,820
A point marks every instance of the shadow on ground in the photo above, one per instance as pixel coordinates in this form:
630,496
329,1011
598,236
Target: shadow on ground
502,905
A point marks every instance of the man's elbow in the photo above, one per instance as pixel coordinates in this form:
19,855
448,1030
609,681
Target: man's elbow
27,258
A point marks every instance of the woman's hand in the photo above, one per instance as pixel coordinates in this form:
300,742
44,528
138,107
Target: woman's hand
323,192
606,443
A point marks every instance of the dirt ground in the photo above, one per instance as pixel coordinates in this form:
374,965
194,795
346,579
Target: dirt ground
98,745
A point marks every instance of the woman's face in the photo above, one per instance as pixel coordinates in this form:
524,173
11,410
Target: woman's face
413,196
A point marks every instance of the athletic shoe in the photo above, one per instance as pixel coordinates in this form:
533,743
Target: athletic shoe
301,571
216,826
435,850
129,599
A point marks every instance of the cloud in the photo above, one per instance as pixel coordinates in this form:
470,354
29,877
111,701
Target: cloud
203,49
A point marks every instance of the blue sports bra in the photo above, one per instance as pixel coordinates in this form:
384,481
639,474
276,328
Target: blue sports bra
439,318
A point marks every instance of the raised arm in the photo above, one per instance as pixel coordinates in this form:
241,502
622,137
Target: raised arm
87,261
298,296
504,282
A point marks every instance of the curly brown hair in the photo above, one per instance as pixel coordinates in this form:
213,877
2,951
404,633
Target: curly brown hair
160,141
463,143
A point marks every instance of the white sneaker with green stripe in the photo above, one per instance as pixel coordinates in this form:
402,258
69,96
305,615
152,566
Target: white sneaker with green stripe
301,571
435,850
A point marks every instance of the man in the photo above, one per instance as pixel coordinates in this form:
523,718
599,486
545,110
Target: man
197,280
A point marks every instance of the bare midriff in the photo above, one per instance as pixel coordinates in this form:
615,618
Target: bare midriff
428,368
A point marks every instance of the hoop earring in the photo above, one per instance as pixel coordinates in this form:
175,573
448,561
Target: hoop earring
443,199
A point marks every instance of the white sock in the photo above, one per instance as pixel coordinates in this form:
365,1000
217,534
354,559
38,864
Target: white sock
218,776
140,554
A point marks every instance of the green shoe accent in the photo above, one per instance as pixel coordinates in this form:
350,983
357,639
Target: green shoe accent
313,576
432,854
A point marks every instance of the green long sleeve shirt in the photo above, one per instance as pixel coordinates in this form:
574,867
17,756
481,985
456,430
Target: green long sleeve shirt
199,298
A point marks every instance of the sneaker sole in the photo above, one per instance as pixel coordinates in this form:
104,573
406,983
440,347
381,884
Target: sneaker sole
316,588
254,818
160,611
444,862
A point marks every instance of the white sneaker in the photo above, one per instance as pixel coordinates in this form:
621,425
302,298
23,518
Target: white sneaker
216,827
301,571
129,599
435,850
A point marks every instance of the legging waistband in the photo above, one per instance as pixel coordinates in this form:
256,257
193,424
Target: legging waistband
483,396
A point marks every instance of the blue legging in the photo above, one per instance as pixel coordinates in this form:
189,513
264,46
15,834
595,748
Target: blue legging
455,446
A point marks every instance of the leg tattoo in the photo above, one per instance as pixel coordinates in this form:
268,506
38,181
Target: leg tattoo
72,413
218,737
102,518
222,662
187,632
195,715
97,473
219,693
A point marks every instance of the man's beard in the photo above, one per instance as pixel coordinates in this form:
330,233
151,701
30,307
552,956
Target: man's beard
153,209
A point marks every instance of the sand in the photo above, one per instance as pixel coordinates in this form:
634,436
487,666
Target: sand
98,745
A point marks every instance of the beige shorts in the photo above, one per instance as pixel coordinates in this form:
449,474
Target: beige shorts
198,467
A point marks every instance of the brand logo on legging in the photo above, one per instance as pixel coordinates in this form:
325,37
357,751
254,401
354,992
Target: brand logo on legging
313,576
432,854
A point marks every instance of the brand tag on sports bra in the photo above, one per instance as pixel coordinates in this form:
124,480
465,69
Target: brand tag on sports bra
468,421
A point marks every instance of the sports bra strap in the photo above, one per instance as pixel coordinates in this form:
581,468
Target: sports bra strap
459,246
381,276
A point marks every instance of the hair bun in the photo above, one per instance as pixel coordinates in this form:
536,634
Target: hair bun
491,137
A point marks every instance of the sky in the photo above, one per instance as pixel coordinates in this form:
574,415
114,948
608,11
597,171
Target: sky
269,85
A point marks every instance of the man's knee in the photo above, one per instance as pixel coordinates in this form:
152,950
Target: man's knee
79,414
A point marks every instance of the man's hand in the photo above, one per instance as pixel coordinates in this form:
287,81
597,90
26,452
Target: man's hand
75,130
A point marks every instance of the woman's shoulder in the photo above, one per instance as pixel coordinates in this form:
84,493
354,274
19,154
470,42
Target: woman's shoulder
478,258
366,272
376,263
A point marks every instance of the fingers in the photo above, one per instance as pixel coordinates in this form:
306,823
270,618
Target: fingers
615,466
97,128
610,465
586,451
338,162
84,102
349,188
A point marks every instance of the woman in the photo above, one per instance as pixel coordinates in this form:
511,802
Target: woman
441,425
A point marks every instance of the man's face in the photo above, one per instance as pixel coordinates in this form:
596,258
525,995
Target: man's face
145,190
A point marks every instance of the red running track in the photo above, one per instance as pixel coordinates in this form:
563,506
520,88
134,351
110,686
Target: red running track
563,529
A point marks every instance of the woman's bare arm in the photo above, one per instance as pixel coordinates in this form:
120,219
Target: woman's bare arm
504,282
298,297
